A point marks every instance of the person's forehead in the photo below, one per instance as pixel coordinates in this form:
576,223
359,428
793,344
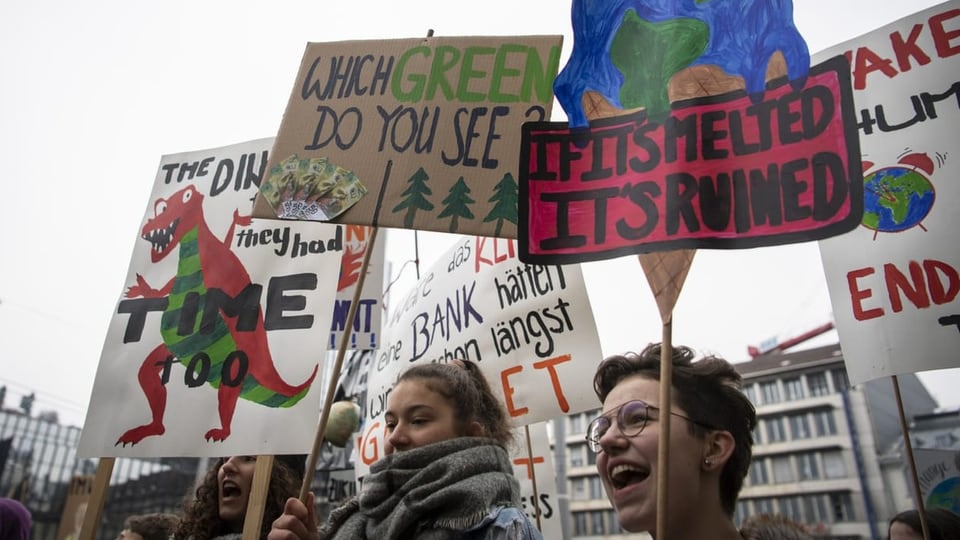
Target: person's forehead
634,387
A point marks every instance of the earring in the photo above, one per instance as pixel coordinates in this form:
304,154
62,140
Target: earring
707,462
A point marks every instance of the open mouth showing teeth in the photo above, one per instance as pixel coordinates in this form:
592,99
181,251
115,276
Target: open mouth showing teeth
161,238
231,490
624,475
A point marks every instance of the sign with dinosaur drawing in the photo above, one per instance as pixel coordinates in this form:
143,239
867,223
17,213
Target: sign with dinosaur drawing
214,345
410,133
894,280
682,134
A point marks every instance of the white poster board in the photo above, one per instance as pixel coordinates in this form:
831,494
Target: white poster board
538,465
214,345
366,323
529,328
938,473
894,281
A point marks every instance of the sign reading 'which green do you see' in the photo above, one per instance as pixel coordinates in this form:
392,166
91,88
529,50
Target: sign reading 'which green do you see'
414,133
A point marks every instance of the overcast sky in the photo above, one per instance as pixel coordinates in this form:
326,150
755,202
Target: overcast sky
95,92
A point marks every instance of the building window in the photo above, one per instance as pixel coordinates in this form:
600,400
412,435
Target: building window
833,465
790,507
750,390
580,524
757,439
596,488
763,506
576,454
815,506
770,391
758,472
840,380
842,506
775,431
740,512
793,389
575,424
578,486
825,423
782,470
613,524
818,384
807,467
596,522
799,426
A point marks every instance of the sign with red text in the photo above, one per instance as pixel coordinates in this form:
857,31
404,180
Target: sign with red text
538,478
366,321
410,133
214,344
725,171
894,280
529,328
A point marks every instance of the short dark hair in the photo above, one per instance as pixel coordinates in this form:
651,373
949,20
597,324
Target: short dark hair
157,526
772,527
464,386
709,390
942,523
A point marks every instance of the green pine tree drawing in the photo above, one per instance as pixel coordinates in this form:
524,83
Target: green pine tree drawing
415,197
457,203
505,196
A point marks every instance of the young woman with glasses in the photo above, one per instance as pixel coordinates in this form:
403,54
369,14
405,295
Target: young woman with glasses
710,442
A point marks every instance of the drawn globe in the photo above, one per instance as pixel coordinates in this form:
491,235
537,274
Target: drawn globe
896,199
946,495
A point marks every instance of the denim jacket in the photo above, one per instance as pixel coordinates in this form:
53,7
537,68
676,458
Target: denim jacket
504,523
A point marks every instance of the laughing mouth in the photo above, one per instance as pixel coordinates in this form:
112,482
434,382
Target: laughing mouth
624,475
230,489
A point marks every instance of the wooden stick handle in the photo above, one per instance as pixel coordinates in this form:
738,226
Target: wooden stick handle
663,444
335,374
91,519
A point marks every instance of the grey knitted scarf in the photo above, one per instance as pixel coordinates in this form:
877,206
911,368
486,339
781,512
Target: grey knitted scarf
429,493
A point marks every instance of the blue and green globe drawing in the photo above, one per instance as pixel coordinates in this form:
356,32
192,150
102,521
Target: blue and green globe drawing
946,495
896,199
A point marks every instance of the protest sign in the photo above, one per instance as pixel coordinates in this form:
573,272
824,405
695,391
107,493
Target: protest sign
529,328
221,323
366,322
894,280
537,465
410,133
938,474
720,171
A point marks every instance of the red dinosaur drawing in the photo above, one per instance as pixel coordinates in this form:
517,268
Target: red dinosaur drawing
240,363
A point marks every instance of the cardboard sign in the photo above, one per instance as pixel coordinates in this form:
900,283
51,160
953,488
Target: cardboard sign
418,133
894,280
724,171
530,329
214,345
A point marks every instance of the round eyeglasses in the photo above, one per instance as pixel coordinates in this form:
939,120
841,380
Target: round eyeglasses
632,417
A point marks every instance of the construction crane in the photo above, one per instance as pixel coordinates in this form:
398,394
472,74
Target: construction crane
774,346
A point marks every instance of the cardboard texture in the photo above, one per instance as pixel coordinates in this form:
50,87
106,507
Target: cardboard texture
429,127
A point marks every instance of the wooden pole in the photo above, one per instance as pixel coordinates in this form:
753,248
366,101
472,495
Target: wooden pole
908,448
663,444
257,501
101,482
533,477
335,374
